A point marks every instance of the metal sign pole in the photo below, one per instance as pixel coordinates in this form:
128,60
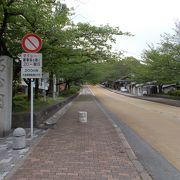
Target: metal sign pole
32,108
44,91
31,63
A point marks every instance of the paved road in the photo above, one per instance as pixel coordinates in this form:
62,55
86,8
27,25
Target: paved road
157,124
95,150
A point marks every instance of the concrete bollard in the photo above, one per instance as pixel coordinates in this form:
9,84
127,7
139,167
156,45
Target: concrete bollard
19,138
83,116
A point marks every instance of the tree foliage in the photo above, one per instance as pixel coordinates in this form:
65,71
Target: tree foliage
69,50
160,64
163,62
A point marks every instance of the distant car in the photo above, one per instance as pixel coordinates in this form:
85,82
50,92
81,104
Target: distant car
123,89
144,93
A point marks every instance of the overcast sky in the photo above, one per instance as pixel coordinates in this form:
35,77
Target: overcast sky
146,19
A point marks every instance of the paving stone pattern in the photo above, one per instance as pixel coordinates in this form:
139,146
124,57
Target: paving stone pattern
9,158
79,151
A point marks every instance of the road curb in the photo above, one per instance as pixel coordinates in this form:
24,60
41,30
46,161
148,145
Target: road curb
138,166
140,169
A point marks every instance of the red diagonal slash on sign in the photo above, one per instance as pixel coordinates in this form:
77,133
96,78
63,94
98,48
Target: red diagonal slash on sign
32,43
28,39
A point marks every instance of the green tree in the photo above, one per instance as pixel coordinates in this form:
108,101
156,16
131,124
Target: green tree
163,62
127,67
81,44
20,17
67,47
99,72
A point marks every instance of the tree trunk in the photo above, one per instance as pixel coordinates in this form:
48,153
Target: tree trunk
29,90
50,90
67,86
160,88
36,88
16,71
28,82
57,87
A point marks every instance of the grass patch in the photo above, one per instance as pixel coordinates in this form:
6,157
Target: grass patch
71,91
20,103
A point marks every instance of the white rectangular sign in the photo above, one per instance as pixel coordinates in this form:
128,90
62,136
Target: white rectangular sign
33,72
45,75
31,60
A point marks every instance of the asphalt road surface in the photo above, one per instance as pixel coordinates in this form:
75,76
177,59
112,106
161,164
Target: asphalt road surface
152,129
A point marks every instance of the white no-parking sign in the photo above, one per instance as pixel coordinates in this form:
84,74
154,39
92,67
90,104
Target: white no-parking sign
31,43
31,63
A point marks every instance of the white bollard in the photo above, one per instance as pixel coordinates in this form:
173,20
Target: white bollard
83,116
19,138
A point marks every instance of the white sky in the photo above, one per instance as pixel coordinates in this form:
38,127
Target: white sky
146,19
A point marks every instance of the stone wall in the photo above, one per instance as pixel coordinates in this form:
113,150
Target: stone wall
22,119
6,71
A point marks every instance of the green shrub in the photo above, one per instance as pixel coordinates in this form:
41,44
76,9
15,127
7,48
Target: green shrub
71,91
174,93
20,97
21,104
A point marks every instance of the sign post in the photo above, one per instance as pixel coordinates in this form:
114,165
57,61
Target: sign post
31,64
32,103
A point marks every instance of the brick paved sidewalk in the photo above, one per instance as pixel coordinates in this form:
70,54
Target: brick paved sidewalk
79,151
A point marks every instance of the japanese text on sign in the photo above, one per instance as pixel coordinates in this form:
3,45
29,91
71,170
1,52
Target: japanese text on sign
31,72
31,60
